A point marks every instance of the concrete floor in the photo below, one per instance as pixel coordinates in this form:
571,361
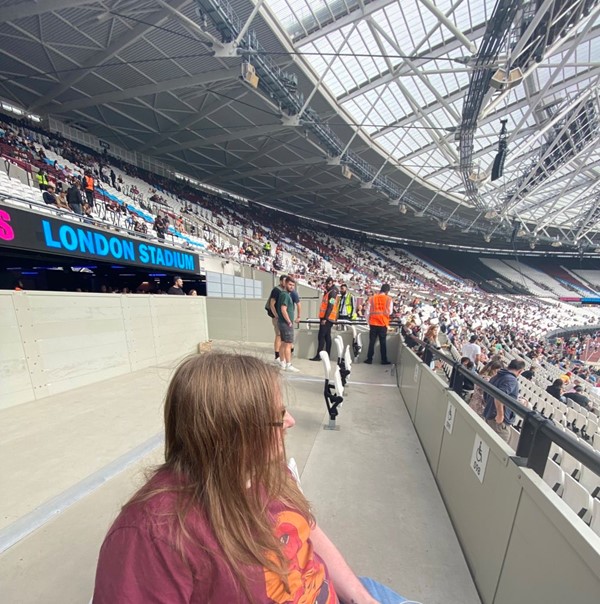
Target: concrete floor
369,482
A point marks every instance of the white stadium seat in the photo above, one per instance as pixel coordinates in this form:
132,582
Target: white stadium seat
554,477
578,498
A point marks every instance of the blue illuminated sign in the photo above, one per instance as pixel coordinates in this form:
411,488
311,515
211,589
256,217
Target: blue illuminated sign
35,232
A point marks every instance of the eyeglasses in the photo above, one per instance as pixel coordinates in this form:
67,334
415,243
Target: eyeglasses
279,424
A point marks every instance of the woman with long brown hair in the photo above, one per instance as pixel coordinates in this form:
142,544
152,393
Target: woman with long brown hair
223,520
487,373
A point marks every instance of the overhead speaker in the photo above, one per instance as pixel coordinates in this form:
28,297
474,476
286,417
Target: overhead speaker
498,167
505,80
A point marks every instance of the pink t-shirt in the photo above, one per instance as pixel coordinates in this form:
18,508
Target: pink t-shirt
139,563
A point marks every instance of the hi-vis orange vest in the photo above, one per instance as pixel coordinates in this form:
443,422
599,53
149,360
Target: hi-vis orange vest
89,183
333,315
380,310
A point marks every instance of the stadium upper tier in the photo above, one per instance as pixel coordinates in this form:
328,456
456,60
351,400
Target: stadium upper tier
238,231
383,115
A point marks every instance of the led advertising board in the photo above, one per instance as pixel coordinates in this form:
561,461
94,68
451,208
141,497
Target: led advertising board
41,233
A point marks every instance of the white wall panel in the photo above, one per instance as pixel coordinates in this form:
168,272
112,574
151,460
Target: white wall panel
53,341
75,339
179,325
137,321
15,381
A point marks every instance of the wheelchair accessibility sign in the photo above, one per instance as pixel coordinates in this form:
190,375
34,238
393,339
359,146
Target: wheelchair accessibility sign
479,457
449,421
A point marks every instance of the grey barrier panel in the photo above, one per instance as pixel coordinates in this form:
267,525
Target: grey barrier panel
411,369
521,541
552,556
225,319
259,326
482,512
430,416
47,334
305,346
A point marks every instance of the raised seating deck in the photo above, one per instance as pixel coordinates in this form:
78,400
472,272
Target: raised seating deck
371,486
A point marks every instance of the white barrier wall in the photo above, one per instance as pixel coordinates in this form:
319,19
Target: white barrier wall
521,541
55,341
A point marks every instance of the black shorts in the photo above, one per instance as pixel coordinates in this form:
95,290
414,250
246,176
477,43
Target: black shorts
286,332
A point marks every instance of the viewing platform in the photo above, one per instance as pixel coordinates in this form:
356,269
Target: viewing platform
70,460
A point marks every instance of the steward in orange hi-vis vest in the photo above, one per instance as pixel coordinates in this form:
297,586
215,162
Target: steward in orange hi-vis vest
329,305
380,309
328,314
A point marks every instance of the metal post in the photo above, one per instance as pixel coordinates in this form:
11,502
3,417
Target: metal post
533,444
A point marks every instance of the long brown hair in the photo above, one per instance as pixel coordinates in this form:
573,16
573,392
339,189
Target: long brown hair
223,442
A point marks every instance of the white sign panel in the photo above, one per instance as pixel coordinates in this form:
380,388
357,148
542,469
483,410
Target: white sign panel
449,422
479,457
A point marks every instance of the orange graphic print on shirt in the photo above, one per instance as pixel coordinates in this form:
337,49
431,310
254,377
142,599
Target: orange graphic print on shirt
307,578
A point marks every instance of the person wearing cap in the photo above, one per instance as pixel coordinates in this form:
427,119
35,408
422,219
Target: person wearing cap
328,314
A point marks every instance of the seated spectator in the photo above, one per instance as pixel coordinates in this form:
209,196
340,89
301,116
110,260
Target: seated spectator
61,201
223,515
488,372
578,397
556,389
457,379
529,374
160,226
49,196
431,338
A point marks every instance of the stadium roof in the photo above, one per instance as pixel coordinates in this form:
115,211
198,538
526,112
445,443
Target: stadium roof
383,116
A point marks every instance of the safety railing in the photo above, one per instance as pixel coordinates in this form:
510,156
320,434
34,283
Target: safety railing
537,432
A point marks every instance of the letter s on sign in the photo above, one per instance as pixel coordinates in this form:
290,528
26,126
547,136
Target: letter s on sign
6,231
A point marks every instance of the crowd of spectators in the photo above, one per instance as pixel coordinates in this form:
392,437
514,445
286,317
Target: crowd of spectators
428,303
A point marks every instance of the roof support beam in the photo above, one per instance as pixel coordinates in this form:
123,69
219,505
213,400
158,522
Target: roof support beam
208,77
32,8
349,19
300,189
274,169
438,51
589,33
252,132
44,103
246,162
470,46
201,114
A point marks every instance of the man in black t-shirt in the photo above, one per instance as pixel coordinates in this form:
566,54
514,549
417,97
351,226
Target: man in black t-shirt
176,288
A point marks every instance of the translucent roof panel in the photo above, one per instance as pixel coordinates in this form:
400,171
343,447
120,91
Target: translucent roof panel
392,66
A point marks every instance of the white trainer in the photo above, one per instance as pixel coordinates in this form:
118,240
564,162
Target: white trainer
291,368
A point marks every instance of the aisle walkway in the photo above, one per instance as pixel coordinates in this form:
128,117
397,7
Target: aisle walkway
369,483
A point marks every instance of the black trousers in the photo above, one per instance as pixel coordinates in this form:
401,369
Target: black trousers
377,331
325,337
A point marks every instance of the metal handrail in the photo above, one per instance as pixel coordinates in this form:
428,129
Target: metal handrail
537,433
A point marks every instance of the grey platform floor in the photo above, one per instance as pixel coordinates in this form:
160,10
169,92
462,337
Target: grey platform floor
369,482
